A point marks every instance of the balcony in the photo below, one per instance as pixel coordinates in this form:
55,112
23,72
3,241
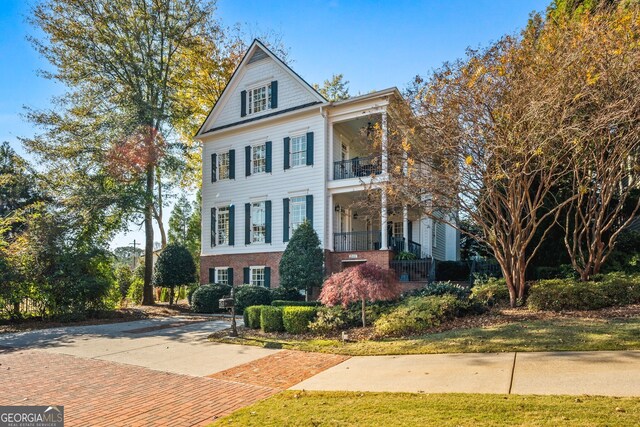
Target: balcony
356,167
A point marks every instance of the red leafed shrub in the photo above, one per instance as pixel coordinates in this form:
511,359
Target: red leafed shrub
366,282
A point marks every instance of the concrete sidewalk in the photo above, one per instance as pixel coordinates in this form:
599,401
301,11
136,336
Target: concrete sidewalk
607,373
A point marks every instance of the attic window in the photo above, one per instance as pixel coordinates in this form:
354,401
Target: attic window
259,99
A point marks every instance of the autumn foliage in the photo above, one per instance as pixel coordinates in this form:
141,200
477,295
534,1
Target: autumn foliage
131,156
366,282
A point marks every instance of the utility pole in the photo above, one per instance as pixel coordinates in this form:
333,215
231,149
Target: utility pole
134,254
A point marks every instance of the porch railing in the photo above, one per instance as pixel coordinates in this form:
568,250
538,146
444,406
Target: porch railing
397,244
356,241
357,167
415,270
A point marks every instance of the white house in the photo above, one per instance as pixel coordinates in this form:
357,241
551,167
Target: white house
274,153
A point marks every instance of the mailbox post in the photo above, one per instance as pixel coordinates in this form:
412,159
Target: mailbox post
230,303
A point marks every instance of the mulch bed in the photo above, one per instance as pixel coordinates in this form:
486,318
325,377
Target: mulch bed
496,316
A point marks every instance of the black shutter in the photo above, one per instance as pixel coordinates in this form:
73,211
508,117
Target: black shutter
232,225
267,277
287,152
247,223
267,221
268,159
230,276
274,94
214,167
213,227
212,275
246,279
232,164
410,229
309,148
247,160
310,209
285,220
243,103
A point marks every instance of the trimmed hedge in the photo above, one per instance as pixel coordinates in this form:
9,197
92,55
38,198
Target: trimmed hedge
286,294
271,319
296,320
570,294
416,314
252,316
442,288
493,291
283,303
205,299
248,295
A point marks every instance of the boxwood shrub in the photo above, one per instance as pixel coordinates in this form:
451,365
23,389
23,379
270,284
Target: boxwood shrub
286,294
442,288
248,295
493,291
283,303
205,298
271,319
416,314
252,316
296,320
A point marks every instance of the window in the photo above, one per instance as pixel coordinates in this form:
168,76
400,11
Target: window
299,150
397,230
259,99
223,166
258,222
257,276
223,226
298,212
259,158
222,275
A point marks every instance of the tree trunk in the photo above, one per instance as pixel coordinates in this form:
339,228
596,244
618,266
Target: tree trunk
158,212
171,294
147,293
364,322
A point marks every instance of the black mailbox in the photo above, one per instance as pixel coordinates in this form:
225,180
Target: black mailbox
225,302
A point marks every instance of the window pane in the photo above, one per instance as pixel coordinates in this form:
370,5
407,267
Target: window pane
298,212
223,166
258,223
259,158
222,276
299,150
223,226
257,276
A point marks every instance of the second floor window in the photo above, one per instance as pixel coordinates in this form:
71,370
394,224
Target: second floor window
259,99
258,223
223,226
299,150
298,212
223,166
258,158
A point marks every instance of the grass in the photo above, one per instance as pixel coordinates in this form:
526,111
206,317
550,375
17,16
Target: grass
560,334
292,408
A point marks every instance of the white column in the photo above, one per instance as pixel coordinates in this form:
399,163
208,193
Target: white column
384,245
405,227
385,149
330,215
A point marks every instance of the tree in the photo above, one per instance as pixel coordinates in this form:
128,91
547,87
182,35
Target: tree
336,89
174,267
122,62
301,266
179,221
365,282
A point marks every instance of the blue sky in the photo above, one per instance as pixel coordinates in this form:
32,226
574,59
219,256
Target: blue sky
375,44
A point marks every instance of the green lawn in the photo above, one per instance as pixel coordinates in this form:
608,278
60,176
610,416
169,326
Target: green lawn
560,334
293,408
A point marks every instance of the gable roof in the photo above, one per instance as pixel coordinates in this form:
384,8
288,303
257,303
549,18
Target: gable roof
257,50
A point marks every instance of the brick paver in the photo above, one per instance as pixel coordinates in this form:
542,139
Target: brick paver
100,393
281,370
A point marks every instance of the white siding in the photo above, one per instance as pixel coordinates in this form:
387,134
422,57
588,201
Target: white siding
291,93
274,186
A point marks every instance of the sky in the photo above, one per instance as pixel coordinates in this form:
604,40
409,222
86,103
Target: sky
374,44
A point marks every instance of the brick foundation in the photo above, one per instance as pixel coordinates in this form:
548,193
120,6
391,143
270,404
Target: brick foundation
335,264
238,262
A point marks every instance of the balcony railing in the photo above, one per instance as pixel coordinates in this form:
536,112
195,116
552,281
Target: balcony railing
357,167
356,241
397,244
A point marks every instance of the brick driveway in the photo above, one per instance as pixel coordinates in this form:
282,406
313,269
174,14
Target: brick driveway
100,393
